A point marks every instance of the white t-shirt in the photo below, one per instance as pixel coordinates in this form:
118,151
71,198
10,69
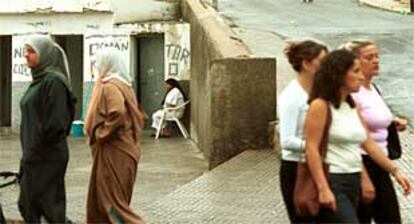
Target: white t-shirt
346,134
292,107
176,98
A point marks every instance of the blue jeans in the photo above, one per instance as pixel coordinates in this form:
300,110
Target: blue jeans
346,188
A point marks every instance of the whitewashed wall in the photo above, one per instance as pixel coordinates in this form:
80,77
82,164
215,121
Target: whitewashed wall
127,11
68,23
177,51
93,43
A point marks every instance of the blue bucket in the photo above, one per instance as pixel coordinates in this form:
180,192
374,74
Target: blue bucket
77,129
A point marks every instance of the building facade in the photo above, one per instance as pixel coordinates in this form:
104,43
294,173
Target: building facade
154,42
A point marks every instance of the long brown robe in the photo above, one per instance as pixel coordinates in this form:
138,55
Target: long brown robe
113,124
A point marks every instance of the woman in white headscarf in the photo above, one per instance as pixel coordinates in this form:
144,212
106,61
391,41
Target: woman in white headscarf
113,124
48,108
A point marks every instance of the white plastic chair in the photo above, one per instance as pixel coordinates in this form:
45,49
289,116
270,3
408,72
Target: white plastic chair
173,118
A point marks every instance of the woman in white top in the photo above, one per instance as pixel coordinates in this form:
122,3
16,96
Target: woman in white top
304,57
338,77
173,97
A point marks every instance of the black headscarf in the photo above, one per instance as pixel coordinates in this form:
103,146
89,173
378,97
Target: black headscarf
174,84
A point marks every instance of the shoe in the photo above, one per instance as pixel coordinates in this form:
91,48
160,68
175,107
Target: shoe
165,132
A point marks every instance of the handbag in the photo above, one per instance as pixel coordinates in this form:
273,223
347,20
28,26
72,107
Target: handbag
305,196
393,140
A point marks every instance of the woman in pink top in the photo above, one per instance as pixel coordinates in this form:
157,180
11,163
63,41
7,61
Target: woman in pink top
384,208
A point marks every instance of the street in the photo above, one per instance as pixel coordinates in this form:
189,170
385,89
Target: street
266,25
174,184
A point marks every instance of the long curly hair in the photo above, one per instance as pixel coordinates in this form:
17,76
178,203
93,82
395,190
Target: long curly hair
331,77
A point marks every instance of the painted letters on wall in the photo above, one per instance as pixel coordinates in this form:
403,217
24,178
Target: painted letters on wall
177,51
20,71
94,43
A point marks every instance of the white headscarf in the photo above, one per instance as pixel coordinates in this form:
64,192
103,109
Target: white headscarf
110,62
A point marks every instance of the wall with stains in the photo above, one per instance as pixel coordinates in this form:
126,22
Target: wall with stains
126,11
233,93
69,23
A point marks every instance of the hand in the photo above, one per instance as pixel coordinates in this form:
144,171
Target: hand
404,182
400,123
367,189
327,199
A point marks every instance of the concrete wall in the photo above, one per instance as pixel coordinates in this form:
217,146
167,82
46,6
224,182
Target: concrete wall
68,23
233,95
127,11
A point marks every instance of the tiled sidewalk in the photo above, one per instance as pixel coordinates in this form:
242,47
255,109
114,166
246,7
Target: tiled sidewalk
246,190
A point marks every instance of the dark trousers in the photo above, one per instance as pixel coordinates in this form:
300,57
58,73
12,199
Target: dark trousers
42,192
346,188
287,185
384,208
2,219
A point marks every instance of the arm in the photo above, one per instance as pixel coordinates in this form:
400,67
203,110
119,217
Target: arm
376,154
55,110
314,129
288,123
113,112
367,187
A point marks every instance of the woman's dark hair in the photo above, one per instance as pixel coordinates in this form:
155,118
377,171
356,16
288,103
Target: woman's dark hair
174,84
331,77
307,50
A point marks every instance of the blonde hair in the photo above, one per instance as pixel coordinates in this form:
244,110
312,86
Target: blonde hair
355,46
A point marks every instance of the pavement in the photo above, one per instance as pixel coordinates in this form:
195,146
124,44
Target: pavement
174,185
165,165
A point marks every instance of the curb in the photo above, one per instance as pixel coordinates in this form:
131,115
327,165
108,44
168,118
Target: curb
388,5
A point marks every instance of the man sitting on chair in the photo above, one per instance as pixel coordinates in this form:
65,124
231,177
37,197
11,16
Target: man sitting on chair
173,97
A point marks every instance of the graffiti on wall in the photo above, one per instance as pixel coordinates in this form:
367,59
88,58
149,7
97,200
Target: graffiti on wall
177,51
19,67
94,43
20,71
176,56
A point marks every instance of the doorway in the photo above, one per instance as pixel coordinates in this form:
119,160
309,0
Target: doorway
73,47
150,77
5,80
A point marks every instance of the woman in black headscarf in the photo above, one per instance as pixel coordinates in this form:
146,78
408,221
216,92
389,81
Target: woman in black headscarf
174,96
48,108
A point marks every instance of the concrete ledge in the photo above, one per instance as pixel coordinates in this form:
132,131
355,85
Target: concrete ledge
243,94
233,94
206,20
402,6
